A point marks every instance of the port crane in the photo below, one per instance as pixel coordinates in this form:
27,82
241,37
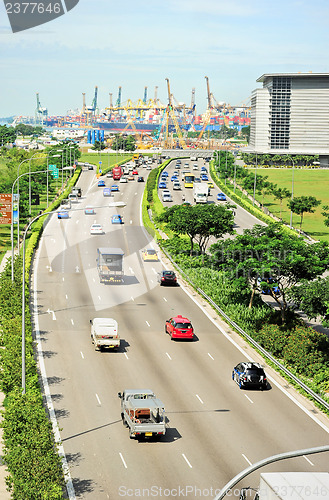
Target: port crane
40,112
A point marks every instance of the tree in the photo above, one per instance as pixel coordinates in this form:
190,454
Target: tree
98,146
7,135
325,214
245,132
312,297
268,252
199,222
281,194
303,204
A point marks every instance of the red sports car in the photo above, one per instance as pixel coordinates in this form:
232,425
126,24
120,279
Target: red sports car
179,328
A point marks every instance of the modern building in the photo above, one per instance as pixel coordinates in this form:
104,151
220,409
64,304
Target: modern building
290,115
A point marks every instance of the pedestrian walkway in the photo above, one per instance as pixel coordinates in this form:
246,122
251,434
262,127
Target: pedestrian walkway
4,494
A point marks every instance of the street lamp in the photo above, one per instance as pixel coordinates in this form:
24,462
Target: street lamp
292,187
255,180
12,218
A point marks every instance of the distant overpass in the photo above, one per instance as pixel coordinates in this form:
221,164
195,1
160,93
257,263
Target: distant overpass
187,153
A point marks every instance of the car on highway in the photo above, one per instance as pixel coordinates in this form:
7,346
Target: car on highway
265,289
89,210
150,255
96,229
101,183
203,169
63,214
123,179
174,178
166,195
140,178
204,177
164,174
107,191
167,278
130,177
176,186
195,166
197,179
187,165
179,327
178,162
210,184
134,172
148,167
114,187
90,167
162,185
221,197
116,219
249,374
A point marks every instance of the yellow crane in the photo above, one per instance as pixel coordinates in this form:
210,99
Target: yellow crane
171,113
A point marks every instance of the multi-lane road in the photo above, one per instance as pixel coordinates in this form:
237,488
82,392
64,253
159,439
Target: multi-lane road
214,430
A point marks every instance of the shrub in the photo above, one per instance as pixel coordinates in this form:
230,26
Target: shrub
307,350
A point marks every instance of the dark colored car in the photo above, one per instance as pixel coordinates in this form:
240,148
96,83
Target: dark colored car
174,178
164,174
204,177
179,328
140,179
167,278
249,374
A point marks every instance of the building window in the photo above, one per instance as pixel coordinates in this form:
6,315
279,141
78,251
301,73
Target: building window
280,98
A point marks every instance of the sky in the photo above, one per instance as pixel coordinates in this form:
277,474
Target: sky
138,43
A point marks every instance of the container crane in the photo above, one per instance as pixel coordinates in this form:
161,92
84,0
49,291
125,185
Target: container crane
40,112
145,95
171,113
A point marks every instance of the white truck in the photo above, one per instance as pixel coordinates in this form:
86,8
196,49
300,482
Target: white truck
200,192
143,413
104,333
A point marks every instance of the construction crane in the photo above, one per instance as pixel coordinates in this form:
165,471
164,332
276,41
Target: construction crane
118,101
171,113
92,109
40,112
145,95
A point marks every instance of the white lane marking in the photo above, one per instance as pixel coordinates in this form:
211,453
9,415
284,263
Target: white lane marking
63,278
94,280
282,389
49,269
154,270
66,296
131,270
151,281
308,460
126,355
77,270
164,298
199,398
99,297
99,401
72,322
148,324
132,298
82,355
210,356
130,221
244,456
77,222
49,311
135,194
123,461
245,395
188,463
168,356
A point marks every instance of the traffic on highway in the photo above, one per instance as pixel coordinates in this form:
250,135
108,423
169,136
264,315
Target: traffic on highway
196,403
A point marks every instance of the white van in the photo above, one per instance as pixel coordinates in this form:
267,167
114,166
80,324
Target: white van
166,196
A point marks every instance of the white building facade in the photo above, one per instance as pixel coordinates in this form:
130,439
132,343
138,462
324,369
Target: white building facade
290,115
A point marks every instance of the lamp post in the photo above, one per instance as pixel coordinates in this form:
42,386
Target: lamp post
12,221
255,180
292,188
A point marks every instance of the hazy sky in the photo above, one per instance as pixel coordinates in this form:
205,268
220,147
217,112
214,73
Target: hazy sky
138,43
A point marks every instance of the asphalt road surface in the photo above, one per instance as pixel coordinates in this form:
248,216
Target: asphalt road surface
214,429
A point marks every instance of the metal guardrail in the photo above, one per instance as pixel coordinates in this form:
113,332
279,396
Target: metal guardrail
250,339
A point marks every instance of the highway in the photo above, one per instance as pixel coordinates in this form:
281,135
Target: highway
214,430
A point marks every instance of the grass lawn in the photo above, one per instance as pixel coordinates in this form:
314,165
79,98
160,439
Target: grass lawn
307,182
107,159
